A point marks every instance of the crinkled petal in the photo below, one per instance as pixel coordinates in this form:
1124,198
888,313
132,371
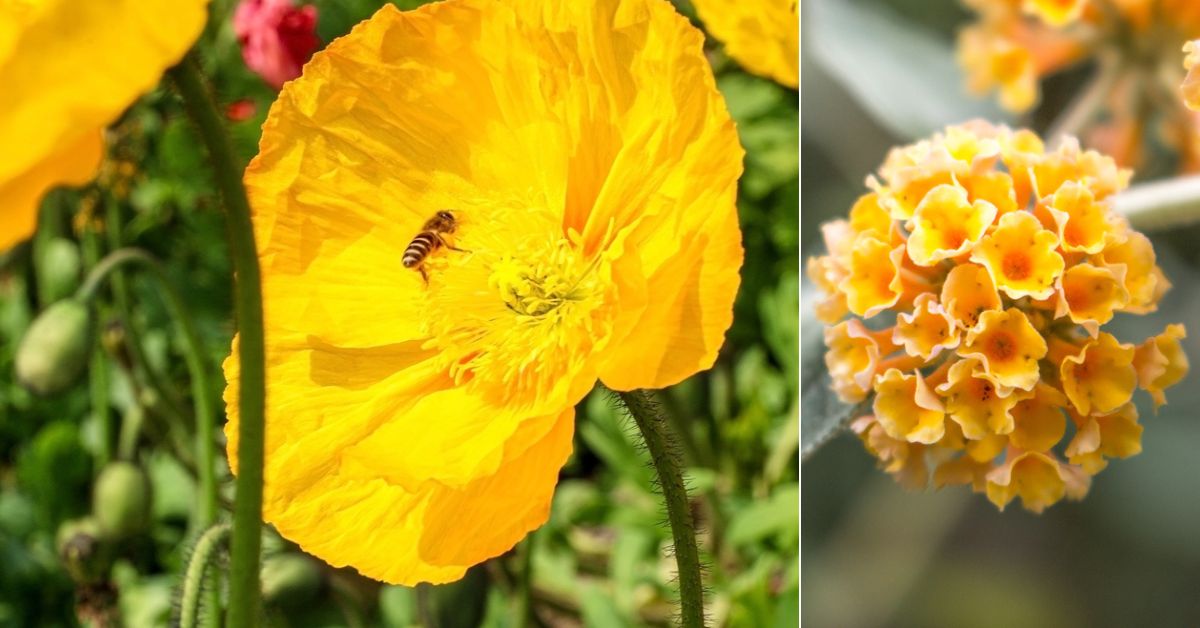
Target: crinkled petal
68,70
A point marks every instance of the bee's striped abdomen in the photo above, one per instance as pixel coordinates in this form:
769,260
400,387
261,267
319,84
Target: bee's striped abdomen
419,248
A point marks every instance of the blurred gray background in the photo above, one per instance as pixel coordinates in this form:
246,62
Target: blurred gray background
878,73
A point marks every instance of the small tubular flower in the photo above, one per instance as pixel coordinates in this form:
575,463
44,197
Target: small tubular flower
1055,12
975,402
946,225
579,168
997,338
872,283
1082,223
1161,363
1014,45
1038,479
1038,420
1008,346
1116,435
1101,377
761,35
69,69
969,292
1090,294
852,359
1021,257
1191,82
927,330
907,408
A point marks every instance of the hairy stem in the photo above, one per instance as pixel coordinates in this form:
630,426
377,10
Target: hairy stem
244,592
206,550
653,426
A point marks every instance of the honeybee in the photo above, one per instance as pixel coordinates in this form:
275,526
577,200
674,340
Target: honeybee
431,237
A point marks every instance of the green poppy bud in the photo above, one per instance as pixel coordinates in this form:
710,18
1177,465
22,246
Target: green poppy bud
83,551
121,500
58,268
55,348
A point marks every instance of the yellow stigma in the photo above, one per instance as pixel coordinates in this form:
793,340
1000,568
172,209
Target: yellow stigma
520,312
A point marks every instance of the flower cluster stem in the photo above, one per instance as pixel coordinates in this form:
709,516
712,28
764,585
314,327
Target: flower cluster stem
244,593
667,464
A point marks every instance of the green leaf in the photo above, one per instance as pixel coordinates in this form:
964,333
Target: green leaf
777,517
598,609
902,74
822,414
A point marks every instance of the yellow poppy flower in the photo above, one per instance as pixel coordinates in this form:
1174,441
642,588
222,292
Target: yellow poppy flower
1090,294
1006,370
907,408
68,70
417,421
976,403
927,330
1161,362
1037,478
969,292
761,35
1038,420
1008,347
1021,256
946,225
1101,377
1191,83
1115,435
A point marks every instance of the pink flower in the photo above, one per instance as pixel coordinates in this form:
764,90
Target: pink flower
277,37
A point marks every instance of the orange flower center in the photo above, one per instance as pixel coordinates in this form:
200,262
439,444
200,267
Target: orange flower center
1001,346
1016,266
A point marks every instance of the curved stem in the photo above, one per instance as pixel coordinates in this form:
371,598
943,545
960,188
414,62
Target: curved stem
244,593
193,354
193,580
653,426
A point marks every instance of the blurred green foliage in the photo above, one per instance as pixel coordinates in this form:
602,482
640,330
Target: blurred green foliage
600,561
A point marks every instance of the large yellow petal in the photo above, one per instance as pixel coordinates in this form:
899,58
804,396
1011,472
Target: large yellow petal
69,69
762,35
431,532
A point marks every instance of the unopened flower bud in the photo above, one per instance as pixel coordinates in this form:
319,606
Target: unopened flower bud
55,348
121,500
82,550
58,267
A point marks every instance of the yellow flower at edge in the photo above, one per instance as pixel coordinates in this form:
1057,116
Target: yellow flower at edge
416,429
761,35
68,70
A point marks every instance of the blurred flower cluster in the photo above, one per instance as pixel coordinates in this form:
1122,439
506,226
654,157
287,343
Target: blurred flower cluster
1132,105
986,265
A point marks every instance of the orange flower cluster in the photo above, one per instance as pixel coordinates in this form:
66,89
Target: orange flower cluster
1016,43
979,271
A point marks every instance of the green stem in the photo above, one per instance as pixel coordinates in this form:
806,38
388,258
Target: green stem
193,355
1162,204
244,593
98,370
524,614
653,426
193,582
